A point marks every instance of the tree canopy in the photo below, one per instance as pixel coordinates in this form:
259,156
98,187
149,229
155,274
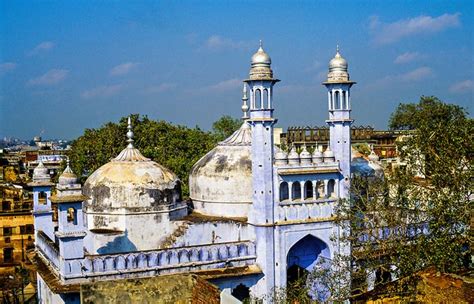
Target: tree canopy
225,126
173,146
419,214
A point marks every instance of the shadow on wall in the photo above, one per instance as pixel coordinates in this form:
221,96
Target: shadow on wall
118,245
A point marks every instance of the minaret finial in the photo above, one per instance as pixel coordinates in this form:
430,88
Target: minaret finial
129,133
337,48
261,44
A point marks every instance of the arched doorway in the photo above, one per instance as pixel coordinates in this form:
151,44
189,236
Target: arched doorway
241,292
302,258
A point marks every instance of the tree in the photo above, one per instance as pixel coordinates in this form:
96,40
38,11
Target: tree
419,214
225,126
173,146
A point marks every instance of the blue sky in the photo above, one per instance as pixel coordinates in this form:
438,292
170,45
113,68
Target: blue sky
70,65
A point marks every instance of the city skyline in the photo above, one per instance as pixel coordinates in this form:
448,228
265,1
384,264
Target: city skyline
65,67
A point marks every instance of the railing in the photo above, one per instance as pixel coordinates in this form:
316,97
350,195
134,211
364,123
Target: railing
305,210
162,261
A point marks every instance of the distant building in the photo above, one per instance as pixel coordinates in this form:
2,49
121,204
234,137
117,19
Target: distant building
383,142
16,225
260,217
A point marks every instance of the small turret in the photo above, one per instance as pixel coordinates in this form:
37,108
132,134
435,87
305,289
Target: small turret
317,156
293,157
305,157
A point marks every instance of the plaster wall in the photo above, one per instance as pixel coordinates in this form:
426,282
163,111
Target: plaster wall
46,296
214,233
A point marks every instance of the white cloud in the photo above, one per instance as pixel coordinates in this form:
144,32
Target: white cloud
163,87
386,33
314,66
42,47
123,69
225,85
7,66
102,91
463,86
219,43
51,77
417,74
407,57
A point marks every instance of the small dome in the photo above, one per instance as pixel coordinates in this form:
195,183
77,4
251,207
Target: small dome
260,65
293,157
281,157
338,63
328,155
261,57
67,177
305,156
220,183
317,156
280,154
41,173
338,68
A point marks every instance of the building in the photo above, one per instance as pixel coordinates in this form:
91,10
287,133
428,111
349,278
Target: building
16,225
383,141
259,217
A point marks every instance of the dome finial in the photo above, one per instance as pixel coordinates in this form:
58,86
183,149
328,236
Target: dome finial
337,48
245,107
261,44
129,133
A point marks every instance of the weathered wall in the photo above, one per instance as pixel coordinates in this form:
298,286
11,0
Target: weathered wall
166,289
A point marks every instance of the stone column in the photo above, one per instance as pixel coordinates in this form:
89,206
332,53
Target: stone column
315,195
326,192
302,192
290,191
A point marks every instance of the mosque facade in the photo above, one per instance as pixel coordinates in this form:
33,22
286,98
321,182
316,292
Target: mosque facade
259,217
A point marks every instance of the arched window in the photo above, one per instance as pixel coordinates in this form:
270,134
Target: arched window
42,197
331,188
284,191
296,191
337,100
308,190
241,292
320,189
266,101
72,216
258,99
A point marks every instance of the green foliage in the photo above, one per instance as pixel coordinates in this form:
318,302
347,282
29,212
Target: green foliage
362,148
225,126
419,214
410,116
173,146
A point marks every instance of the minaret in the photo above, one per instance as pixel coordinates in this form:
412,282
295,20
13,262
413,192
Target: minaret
339,104
42,211
261,120
71,229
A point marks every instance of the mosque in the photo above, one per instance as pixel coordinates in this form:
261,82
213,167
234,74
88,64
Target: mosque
259,216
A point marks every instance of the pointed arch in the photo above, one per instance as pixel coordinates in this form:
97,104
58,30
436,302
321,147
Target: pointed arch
284,192
265,99
257,99
308,190
296,191
331,192
337,100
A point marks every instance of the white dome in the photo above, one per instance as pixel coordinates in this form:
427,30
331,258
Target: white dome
261,65
130,182
220,183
